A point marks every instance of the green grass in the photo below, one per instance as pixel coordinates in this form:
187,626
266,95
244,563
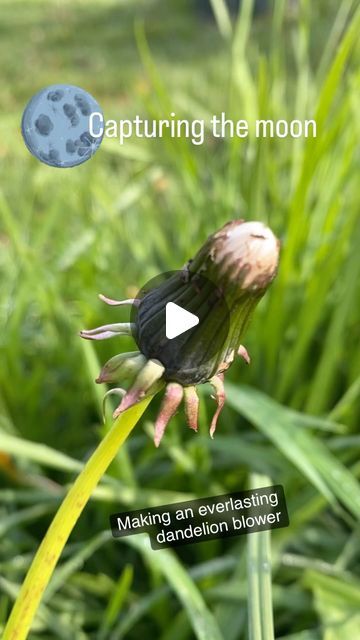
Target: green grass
133,211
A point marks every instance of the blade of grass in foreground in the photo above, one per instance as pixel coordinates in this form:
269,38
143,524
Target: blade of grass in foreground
307,452
261,626
143,606
37,452
337,601
222,17
203,622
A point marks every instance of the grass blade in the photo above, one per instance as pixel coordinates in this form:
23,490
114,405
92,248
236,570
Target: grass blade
222,17
165,561
307,452
261,625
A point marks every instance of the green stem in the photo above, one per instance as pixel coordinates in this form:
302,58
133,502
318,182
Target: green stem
64,521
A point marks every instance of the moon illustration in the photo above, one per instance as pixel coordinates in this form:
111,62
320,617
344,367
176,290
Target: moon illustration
55,125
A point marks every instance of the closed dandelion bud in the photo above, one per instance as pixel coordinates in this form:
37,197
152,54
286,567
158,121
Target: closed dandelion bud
221,286
242,260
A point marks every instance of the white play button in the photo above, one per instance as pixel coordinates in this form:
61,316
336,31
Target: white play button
178,320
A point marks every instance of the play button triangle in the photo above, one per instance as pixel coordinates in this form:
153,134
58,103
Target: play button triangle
178,320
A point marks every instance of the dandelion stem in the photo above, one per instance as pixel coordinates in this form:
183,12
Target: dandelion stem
50,549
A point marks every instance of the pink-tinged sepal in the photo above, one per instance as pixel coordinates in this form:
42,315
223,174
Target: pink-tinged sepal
217,383
191,399
242,352
118,303
147,381
108,331
170,403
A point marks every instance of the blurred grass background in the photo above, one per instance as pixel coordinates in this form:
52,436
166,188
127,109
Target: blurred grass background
136,210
